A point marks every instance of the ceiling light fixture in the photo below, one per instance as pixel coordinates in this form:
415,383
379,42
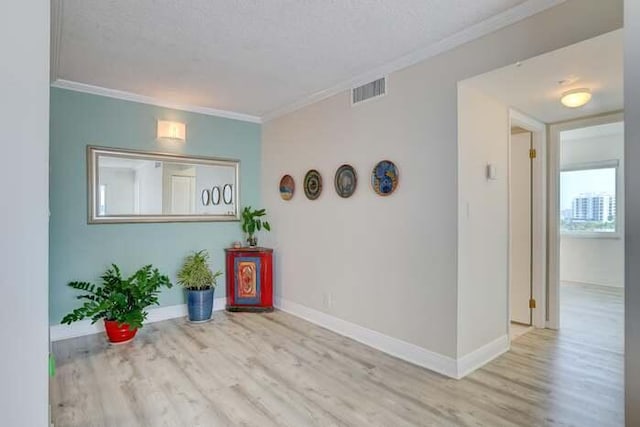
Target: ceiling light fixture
576,98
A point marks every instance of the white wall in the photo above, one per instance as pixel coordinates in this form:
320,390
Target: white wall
600,260
148,178
632,212
24,118
483,218
595,261
120,190
390,264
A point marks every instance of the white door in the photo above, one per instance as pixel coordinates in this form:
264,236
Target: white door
520,228
182,194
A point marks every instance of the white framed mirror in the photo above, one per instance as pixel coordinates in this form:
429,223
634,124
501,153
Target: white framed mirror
127,186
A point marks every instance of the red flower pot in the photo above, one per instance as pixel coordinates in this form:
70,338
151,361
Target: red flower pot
119,334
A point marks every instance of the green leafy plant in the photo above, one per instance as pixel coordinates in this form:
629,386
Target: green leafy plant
252,222
122,300
195,273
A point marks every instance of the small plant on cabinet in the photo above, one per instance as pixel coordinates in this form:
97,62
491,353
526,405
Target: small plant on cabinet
252,222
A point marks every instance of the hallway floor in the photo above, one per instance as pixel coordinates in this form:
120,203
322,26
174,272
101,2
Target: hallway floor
592,315
278,370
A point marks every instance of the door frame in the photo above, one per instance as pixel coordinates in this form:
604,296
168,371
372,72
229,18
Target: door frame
553,292
539,210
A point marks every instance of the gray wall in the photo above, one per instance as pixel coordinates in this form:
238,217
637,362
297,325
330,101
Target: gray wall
632,261
483,220
374,256
24,118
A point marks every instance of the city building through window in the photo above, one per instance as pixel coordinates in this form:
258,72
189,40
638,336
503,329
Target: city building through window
588,200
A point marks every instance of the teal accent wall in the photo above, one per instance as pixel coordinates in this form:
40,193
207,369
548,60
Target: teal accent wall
79,251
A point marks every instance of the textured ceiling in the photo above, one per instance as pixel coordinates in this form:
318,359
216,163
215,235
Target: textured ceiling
535,86
252,57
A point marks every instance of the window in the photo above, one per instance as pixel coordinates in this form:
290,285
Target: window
588,199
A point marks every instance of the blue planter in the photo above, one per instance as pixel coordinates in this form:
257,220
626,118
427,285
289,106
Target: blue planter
200,304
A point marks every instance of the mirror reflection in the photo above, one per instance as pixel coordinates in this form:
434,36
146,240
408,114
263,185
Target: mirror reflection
150,187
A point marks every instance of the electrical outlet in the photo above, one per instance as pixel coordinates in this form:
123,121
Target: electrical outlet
327,300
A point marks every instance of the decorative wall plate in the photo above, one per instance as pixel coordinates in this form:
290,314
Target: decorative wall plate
312,184
227,194
384,178
205,197
345,181
215,195
287,187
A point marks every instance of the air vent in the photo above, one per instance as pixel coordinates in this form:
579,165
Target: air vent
369,90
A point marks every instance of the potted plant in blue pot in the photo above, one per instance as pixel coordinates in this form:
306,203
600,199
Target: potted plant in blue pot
199,282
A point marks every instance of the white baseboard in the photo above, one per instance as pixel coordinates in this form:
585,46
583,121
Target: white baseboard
401,349
411,353
157,314
485,354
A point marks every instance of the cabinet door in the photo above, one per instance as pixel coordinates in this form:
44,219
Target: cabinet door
247,280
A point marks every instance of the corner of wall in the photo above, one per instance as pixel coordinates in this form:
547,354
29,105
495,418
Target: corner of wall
468,363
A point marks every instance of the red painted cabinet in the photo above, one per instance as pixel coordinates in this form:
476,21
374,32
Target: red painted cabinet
249,279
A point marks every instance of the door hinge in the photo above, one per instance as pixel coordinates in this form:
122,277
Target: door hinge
533,153
532,303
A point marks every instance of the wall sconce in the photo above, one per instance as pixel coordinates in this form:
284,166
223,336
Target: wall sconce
172,130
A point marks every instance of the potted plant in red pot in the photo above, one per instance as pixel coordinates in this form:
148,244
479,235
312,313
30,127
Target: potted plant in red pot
120,302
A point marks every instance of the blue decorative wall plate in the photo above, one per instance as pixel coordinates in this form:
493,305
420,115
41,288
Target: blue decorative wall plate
384,178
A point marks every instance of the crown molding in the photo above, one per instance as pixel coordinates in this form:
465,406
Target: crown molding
142,99
488,26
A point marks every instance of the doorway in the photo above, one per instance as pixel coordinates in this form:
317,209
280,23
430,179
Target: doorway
182,194
490,105
586,265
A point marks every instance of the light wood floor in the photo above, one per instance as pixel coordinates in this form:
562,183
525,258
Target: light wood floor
518,329
275,369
